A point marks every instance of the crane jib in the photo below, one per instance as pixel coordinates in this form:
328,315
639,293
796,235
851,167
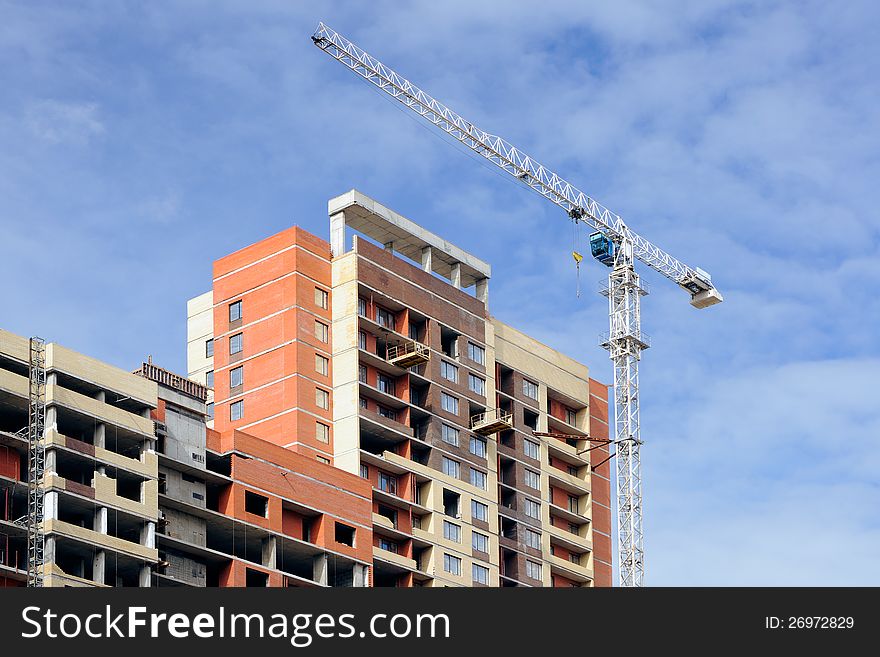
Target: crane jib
521,166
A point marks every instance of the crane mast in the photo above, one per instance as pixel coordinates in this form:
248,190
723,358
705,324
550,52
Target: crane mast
617,246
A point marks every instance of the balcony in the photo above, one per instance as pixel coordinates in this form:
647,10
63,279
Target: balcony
491,421
408,354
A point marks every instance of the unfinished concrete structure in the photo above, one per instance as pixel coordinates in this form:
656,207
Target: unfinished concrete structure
388,367
101,470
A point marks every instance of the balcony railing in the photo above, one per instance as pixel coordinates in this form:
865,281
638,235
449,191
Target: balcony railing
408,354
491,421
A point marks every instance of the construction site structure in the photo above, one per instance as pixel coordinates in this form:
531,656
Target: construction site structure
378,354
614,244
354,416
36,459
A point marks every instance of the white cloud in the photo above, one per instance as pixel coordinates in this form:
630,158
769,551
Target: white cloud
59,122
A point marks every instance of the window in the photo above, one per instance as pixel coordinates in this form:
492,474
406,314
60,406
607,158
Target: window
385,384
365,471
449,403
362,307
322,432
362,340
533,539
322,364
478,478
449,434
384,318
532,449
530,389
570,416
481,574
574,529
386,412
574,558
386,544
533,479
236,410
322,398
323,459
573,503
235,311
476,353
451,531
451,467
209,347
388,483
451,564
209,379
321,298
478,446
479,511
533,569
532,509
477,384
388,512
448,371
210,410
236,376
480,542
451,503
362,373
363,402
344,534
235,344
322,331
256,504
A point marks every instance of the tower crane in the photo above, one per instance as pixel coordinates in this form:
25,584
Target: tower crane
613,244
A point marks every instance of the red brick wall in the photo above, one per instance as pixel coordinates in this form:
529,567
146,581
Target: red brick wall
275,279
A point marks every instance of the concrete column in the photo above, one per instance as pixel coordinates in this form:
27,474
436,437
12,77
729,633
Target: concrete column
49,549
145,576
51,418
428,259
360,576
100,438
148,535
456,275
100,522
483,290
50,505
270,552
337,234
51,466
101,396
99,566
319,569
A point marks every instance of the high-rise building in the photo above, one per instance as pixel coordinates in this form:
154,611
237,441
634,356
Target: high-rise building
383,360
353,416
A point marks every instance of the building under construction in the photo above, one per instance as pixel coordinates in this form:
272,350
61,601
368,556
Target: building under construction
352,416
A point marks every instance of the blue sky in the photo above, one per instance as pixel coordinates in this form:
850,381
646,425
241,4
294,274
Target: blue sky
139,141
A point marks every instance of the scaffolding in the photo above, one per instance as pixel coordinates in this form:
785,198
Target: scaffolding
36,461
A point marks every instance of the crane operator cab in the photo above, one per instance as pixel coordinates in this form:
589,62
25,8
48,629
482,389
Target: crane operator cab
602,249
